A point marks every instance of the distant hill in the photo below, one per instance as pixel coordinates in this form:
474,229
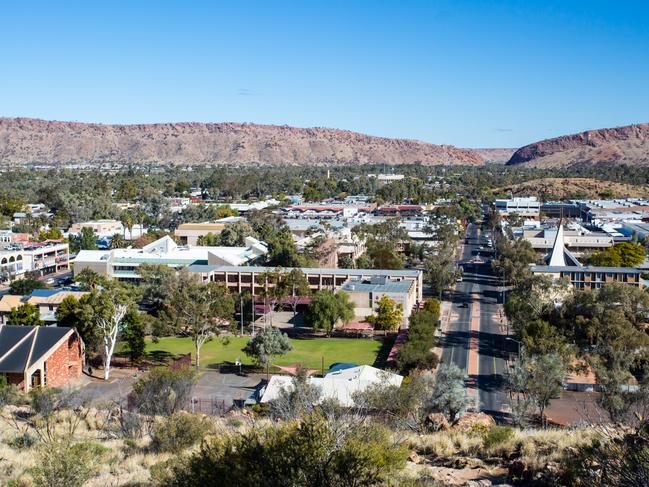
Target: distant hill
32,141
495,155
621,145
574,188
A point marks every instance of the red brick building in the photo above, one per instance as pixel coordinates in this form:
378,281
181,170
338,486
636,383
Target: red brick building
32,356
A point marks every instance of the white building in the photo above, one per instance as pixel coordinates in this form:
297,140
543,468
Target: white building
122,264
340,385
528,207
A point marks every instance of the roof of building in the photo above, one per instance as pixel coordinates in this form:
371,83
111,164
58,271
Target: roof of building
22,346
339,384
586,268
200,226
307,270
9,302
378,284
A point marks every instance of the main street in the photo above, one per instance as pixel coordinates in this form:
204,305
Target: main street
475,338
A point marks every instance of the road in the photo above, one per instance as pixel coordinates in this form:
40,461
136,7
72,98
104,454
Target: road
475,337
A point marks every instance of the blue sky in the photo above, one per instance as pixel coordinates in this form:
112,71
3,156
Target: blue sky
468,73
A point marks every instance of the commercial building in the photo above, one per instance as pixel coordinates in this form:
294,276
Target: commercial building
46,300
365,293
251,278
122,264
576,239
528,207
189,233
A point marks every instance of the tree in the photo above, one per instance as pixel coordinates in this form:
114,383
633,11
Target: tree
117,242
624,254
234,234
388,315
417,351
163,391
274,289
346,262
86,239
441,270
134,334
209,240
154,282
90,280
297,286
327,308
197,309
109,328
513,260
26,314
128,220
268,343
538,378
24,287
449,394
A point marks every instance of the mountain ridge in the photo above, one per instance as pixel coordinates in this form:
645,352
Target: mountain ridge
31,141
628,144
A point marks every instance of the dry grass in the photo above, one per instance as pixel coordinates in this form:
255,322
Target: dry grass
130,462
535,447
566,188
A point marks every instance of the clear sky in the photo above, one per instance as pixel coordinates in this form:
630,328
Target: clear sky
468,73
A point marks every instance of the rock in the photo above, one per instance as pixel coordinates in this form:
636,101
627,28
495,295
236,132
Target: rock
414,457
470,420
436,422
519,471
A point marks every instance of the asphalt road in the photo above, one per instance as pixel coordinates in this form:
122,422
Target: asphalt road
476,299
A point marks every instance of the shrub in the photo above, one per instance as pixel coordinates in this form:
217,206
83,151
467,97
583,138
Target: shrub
163,391
306,453
9,393
178,432
23,441
65,464
497,435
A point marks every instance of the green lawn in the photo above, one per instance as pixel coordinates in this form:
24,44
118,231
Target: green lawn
308,352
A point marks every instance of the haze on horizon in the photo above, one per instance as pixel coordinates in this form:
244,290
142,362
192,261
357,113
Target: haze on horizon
467,73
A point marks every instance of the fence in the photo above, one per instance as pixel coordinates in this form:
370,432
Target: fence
211,406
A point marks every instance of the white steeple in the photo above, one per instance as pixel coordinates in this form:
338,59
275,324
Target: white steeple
557,256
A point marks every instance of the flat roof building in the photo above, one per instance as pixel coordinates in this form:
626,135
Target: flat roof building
122,264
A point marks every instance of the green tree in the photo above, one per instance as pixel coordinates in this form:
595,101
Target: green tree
128,221
297,287
328,308
266,345
86,239
154,282
198,309
624,254
441,270
117,242
538,378
388,315
90,280
24,287
134,334
26,314
417,351
234,234
449,394
209,240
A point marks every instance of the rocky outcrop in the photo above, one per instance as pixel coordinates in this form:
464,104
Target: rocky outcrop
32,141
621,145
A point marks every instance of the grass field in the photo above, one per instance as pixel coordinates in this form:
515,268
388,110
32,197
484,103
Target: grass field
308,352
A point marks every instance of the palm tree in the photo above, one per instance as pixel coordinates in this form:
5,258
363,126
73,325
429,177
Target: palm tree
128,220
117,242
